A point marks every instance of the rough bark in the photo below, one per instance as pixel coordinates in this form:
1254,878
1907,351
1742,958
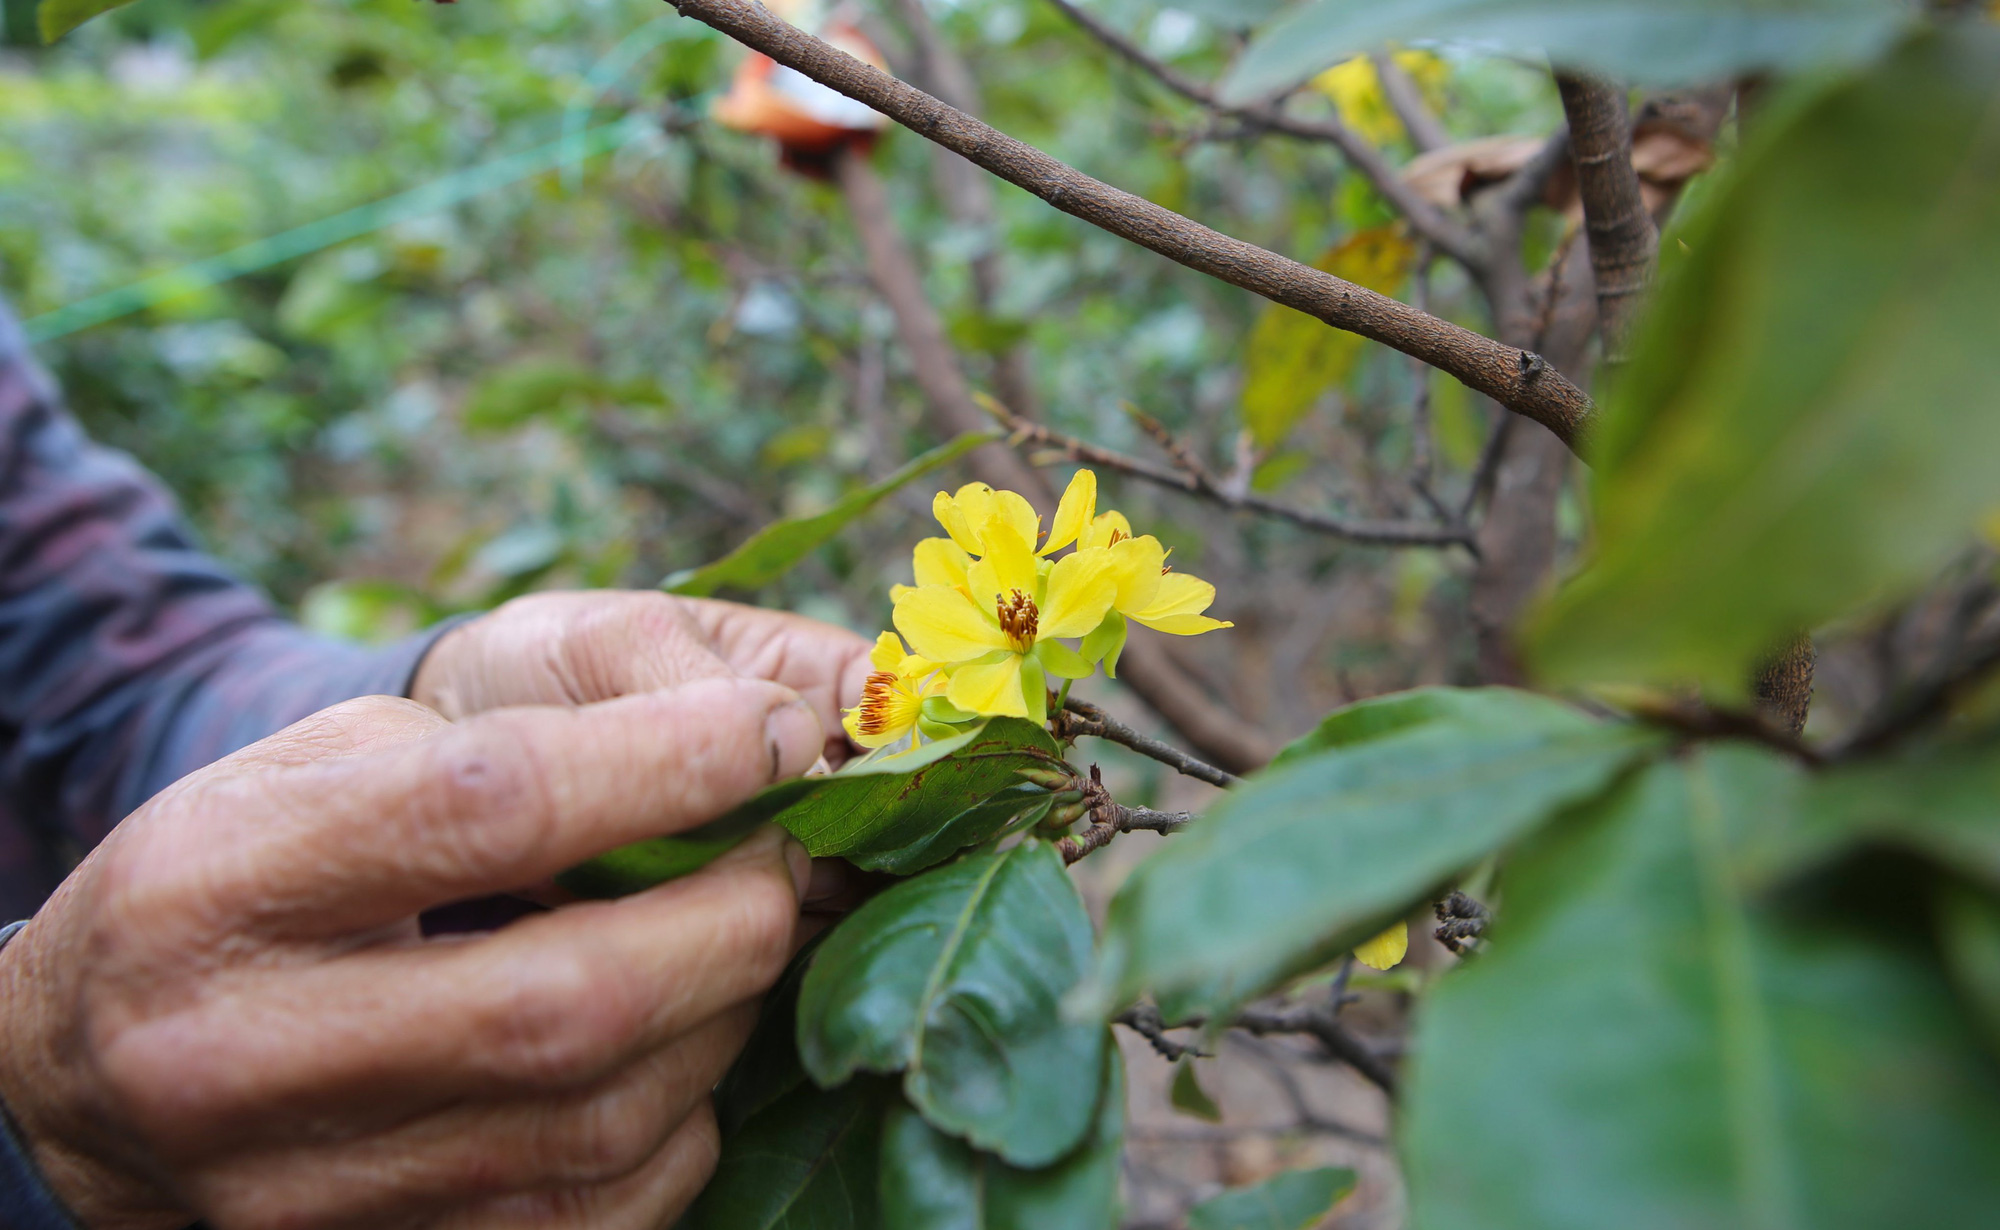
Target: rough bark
1784,685
1623,240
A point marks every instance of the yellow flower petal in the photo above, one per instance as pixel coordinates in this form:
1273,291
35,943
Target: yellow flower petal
1074,515
993,688
1386,950
1136,564
1105,529
888,653
1081,587
943,625
940,561
1010,556
1182,625
957,521
1177,606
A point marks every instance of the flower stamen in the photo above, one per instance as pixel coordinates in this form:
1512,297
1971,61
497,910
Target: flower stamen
881,700
1019,620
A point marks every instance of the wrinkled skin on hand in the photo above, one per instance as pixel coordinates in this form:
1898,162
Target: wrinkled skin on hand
228,1011
579,648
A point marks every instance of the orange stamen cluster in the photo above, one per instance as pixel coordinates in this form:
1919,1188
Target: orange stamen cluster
878,696
1019,620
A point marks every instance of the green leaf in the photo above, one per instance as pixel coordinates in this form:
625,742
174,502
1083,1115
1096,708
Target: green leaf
1663,42
1293,1200
931,1181
956,979
895,814
1642,1044
59,17
1969,934
808,1161
1809,422
1293,358
772,551
1939,801
1494,709
1233,14
1188,1097
768,1067
1308,859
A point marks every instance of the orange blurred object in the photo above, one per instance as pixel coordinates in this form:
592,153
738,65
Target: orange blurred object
809,122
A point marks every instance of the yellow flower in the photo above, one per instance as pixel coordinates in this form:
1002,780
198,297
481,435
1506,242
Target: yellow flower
1387,949
893,696
965,514
996,636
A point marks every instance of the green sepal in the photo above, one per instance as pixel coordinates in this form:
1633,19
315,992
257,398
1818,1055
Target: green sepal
1063,662
1106,641
938,709
937,730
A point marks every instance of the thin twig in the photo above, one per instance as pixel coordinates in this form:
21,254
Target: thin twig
1315,1021
1520,381
1425,218
1422,445
1701,721
1406,99
1488,468
1117,819
1080,717
1199,483
1145,1020
1928,703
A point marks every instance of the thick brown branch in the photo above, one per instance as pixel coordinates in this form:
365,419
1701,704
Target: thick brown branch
1425,218
1080,717
1197,482
1623,240
1516,379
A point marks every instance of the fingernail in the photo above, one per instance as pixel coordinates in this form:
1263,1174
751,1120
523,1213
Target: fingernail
801,864
795,739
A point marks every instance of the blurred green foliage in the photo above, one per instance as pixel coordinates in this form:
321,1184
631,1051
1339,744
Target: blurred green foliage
609,373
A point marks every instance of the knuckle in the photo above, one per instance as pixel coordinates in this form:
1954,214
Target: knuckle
558,1027
491,792
701,1137
767,914
610,1136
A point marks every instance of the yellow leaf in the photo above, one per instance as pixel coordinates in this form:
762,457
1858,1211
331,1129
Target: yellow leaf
1292,358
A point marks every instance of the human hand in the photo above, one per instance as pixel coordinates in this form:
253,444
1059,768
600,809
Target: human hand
228,1011
581,647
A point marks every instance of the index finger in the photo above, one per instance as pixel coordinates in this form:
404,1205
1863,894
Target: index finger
503,799
821,662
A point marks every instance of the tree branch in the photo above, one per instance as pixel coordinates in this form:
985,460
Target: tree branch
1313,1020
1623,240
1784,684
1426,219
1080,717
1512,377
1198,482
1406,99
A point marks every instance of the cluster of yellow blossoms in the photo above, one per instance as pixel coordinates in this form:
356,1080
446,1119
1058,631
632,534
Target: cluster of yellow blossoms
989,619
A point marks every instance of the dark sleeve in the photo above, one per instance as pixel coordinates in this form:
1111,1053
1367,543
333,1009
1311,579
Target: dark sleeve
128,657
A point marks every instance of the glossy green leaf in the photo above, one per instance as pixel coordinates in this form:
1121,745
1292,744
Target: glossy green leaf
1650,41
1307,859
1810,419
808,1161
956,978
1188,1097
931,1181
1292,358
58,17
895,814
1642,1044
772,551
1294,1200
